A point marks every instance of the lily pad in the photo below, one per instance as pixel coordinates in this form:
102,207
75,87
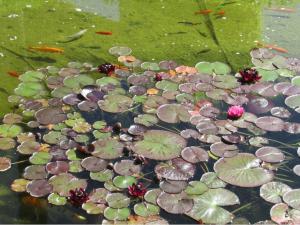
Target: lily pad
117,200
175,203
270,154
172,186
196,188
50,115
40,158
55,199
19,185
9,131
175,169
173,113
242,170
210,68
127,167
146,209
116,214
7,143
57,167
146,119
93,208
212,181
152,195
166,85
108,148
124,181
102,176
39,188
94,164
270,123
119,50
5,164
194,154
115,103
273,191
160,145
35,172
292,198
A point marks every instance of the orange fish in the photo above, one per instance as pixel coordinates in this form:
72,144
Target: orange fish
47,49
221,13
273,47
13,73
204,12
35,202
289,10
104,32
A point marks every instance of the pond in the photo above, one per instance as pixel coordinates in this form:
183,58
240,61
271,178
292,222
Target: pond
154,111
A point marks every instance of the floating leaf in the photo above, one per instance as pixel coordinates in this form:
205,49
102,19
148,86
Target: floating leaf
35,172
19,185
242,170
108,148
94,164
39,188
93,208
270,123
146,119
173,113
124,181
210,68
7,143
194,154
10,131
172,186
212,181
127,167
166,85
119,50
55,199
196,188
292,198
152,195
5,164
57,167
115,103
273,191
117,200
40,158
50,115
175,203
270,154
116,214
102,176
146,209
160,145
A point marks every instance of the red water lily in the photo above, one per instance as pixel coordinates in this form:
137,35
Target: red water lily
158,77
106,68
78,197
137,190
249,76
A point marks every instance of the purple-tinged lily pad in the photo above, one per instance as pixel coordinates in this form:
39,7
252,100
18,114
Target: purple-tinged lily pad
280,112
175,203
189,133
107,148
39,188
270,123
87,106
259,105
175,169
35,172
138,80
270,154
172,186
207,127
137,90
72,99
194,154
50,115
115,103
57,167
173,113
167,65
127,167
273,191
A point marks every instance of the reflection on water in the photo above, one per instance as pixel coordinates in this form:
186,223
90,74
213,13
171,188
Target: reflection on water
156,30
106,8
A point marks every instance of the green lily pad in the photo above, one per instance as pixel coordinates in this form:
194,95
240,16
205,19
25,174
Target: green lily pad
65,182
28,147
293,102
101,135
146,119
82,138
115,103
268,75
71,154
124,181
31,89
207,206
173,113
160,145
32,76
75,167
273,191
10,131
152,195
167,85
212,181
60,92
99,124
53,137
116,214
242,170
225,82
108,80
292,198
196,188
55,199
7,143
40,158
117,200
146,209
108,148
78,81
210,68
150,66
282,214
119,50
93,208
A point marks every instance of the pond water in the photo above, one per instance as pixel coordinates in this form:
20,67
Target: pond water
58,128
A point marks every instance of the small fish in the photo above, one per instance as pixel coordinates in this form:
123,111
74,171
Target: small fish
220,13
273,47
204,12
104,32
47,49
13,73
188,23
75,36
228,3
203,51
282,9
202,33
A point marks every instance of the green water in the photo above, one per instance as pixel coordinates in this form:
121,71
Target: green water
154,29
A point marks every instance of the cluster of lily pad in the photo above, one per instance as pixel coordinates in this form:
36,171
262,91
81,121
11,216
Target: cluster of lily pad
129,143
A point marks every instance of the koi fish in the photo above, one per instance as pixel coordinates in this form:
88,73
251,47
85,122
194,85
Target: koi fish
273,47
204,12
104,32
288,10
13,73
47,49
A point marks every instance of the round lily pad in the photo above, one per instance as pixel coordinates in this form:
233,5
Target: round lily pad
146,119
242,170
173,113
50,115
102,176
57,167
152,195
108,148
292,198
270,123
119,50
175,169
127,167
196,188
273,191
124,181
40,158
7,143
39,188
160,145
116,214
172,186
282,214
55,199
10,130
175,203
93,208
35,172
94,164
5,164
19,185
194,154
115,103
166,85
270,154
212,181
146,209
117,200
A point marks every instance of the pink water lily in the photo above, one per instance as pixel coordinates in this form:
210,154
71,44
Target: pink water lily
235,112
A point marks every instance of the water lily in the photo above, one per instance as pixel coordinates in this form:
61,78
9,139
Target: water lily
158,77
137,190
235,112
249,76
106,68
78,197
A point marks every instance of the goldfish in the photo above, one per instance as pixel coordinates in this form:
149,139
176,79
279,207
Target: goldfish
273,47
13,73
204,12
221,13
47,49
104,32
35,202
